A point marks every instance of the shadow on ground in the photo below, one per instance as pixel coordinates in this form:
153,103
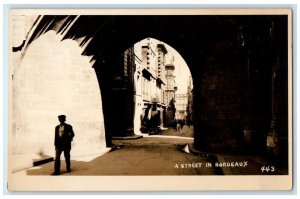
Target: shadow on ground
134,160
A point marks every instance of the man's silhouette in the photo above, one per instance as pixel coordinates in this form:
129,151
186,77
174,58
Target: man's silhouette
63,137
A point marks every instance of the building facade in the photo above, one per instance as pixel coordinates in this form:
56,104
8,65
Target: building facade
189,117
181,107
151,85
170,94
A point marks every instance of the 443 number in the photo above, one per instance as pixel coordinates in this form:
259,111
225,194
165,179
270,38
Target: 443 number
267,169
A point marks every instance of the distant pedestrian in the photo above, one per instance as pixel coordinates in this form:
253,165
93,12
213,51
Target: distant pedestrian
63,137
178,127
175,125
181,124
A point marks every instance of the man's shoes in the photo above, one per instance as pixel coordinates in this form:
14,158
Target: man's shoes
68,170
55,173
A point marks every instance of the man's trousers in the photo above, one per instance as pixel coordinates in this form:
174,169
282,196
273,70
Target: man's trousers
57,159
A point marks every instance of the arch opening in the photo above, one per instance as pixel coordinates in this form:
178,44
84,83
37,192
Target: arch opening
156,88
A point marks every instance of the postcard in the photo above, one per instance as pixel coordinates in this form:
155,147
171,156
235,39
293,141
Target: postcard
150,99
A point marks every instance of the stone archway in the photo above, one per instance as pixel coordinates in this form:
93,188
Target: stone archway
231,58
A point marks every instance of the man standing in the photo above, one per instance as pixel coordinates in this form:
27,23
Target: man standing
63,137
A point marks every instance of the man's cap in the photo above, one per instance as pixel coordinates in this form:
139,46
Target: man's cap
62,116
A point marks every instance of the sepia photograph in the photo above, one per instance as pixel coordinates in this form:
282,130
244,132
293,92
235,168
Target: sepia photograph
150,99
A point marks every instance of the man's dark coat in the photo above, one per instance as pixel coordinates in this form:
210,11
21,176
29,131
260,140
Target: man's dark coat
64,142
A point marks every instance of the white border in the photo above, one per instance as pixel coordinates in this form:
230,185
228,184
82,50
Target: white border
184,3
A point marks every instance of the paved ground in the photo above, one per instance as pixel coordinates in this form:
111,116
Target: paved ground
146,156
163,154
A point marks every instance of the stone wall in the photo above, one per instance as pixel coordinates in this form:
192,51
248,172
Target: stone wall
224,97
53,78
